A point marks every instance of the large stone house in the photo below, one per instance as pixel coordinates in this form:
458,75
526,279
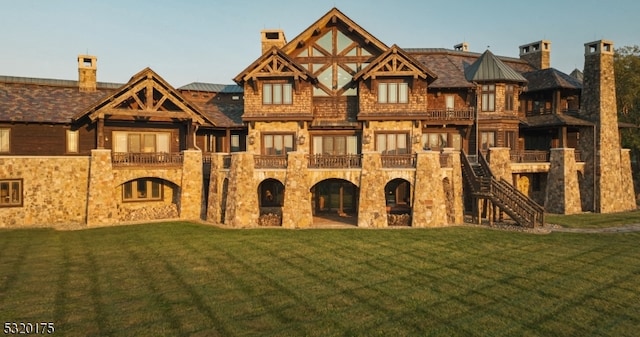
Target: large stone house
333,123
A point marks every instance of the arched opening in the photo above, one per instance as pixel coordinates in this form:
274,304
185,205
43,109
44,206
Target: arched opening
148,199
335,200
397,194
270,201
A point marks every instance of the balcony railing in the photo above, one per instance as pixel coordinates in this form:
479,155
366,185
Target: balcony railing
146,159
530,156
451,115
398,161
276,162
335,161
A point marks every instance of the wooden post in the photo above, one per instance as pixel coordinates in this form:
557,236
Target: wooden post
100,133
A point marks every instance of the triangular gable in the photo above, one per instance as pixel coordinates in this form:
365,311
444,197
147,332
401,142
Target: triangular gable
488,68
395,62
274,64
145,96
334,16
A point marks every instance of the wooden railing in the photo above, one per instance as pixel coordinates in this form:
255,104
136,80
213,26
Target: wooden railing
146,159
398,160
264,161
530,156
452,115
335,161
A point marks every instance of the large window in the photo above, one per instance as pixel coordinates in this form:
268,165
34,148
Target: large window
487,139
277,144
392,143
489,97
11,193
4,140
137,142
393,93
335,144
508,98
142,190
277,93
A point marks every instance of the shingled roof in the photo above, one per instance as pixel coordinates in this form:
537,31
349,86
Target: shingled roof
554,120
488,68
212,87
550,78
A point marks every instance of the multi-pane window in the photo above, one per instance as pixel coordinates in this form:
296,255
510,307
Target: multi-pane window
440,140
11,193
142,190
5,134
277,93
393,92
335,144
277,144
138,142
487,139
392,143
508,98
235,143
449,102
510,140
72,141
488,97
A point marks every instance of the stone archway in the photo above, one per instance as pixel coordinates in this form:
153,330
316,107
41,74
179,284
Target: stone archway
397,193
270,202
335,200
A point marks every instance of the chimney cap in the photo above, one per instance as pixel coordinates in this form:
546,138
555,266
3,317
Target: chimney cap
87,61
463,46
535,47
598,47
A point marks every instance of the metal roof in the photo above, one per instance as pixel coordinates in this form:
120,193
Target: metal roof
213,87
489,68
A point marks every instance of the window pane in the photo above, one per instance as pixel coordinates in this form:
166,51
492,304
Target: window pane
325,41
277,94
456,141
352,145
382,93
142,188
327,145
317,145
235,143
449,102
403,93
340,145
155,190
127,191
149,143
288,143
343,42
402,144
16,194
326,78
268,144
381,143
343,77
286,94
4,193
72,141
433,140
492,102
134,142
266,94
393,92
391,144
163,142
4,140
277,144
119,142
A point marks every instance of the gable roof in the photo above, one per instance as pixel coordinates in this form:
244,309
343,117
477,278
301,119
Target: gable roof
395,62
333,16
274,63
488,68
145,95
550,78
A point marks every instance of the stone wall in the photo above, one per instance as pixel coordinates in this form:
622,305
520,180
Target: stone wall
297,197
191,186
371,206
562,190
54,191
241,209
101,202
429,203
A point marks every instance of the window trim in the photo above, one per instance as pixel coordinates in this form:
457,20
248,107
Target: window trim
488,98
277,91
149,187
20,193
128,133
389,133
278,134
385,92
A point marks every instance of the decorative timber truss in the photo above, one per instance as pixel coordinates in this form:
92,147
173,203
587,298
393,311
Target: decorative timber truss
395,63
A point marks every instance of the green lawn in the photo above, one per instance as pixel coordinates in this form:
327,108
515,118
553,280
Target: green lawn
594,220
182,279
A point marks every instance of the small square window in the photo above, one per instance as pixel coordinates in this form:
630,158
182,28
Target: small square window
11,193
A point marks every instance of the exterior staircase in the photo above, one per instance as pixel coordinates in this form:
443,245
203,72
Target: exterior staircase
483,186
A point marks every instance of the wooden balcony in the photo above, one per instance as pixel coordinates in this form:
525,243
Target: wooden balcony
270,162
121,159
398,161
323,161
530,156
467,116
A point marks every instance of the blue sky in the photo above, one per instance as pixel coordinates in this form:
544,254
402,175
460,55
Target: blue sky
212,41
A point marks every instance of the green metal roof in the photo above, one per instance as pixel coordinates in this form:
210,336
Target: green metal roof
488,68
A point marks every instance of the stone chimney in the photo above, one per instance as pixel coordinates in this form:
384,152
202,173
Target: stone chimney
538,54
461,47
87,69
604,165
272,37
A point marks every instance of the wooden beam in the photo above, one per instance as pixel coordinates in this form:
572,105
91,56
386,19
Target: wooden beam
147,113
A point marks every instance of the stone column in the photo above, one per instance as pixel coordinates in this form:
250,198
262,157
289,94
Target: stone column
296,212
456,182
563,192
191,185
500,163
372,209
217,201
101,200
429,206
628,195
242,200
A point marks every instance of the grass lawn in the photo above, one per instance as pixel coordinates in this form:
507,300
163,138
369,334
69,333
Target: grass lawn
594,220
182,279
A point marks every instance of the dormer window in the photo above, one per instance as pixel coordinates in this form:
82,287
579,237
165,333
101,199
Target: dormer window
393,92
277,93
